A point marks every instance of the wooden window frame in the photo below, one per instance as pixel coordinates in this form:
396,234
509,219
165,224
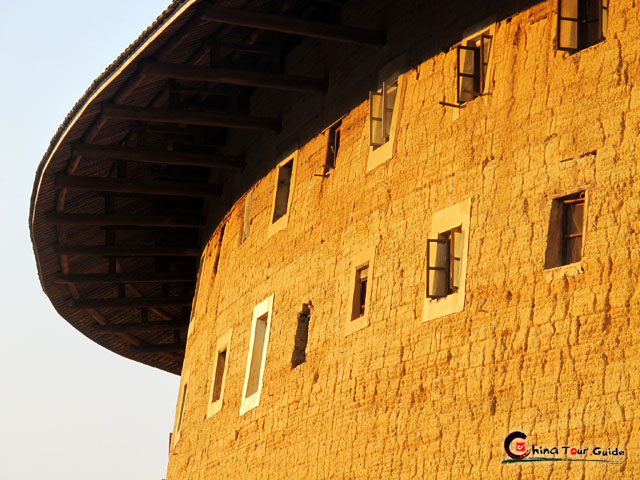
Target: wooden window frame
357,318
180,407
480,46
333,145
581,20
281,222
567,202
446,238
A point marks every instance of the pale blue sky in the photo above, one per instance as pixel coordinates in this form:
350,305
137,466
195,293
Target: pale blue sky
69,409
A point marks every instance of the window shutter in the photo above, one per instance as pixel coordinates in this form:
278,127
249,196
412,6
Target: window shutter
603,18
455,256
376,120
466,73
485,52
390,91
568,25
437,267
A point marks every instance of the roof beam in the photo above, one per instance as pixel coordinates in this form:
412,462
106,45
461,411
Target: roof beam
159,348
130,302
126,220
234,76
162,277
190,117
126,251
145,155
295,26
127,186
143,327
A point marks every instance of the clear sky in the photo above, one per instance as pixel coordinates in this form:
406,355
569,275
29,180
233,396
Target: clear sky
69,409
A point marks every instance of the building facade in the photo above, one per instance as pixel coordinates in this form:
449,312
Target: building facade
435,249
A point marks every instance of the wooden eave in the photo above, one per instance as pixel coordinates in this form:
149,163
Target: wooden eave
120,200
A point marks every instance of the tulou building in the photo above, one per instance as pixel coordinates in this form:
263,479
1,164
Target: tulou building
376,239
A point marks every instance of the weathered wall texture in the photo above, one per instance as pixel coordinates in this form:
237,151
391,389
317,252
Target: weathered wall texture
554,353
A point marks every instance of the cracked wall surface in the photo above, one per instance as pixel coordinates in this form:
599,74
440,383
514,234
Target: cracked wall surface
553,353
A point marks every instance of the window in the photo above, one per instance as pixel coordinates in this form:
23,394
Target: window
446,261
246,219
299,355
182,400
220,365
285,172
581,23
384,112
566,230
360,291
473,64
257,355
381,106
333,145
444,258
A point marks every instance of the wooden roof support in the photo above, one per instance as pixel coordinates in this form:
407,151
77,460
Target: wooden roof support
130,302
146,155
296,26
126,220
234,77
190,117
127,186
163,277
158,348
126,251
143,327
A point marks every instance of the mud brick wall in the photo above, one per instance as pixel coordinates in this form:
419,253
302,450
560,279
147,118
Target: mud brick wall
552,352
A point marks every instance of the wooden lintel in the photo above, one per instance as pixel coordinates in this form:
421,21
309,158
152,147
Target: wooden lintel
162,277
125,251
190,117
143,327
102,184
234,77
295,26
162,347
130,302
126,220
146,155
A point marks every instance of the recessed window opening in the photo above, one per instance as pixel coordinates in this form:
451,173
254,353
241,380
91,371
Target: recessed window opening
182,401
299,355
255,367
473,63
381,103
333,144
282,192
246,220
444,259
219,376
566,230
581,23
360,291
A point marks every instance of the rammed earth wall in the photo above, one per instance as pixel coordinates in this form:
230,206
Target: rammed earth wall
553,353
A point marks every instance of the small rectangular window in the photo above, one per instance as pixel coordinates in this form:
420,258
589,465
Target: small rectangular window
473,64
181,411
381,106
566,230
282,192
257,355
360,291
333,145
220,366
299,355
581,23
246,219
444,259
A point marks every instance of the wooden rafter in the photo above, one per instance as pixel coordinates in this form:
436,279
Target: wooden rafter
146,155
144,327
126,251
128,186
295,26
130,302
126,220
162,277
234,76
189,117
162,347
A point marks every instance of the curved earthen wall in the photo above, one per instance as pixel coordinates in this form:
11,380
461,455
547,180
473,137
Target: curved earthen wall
552,352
